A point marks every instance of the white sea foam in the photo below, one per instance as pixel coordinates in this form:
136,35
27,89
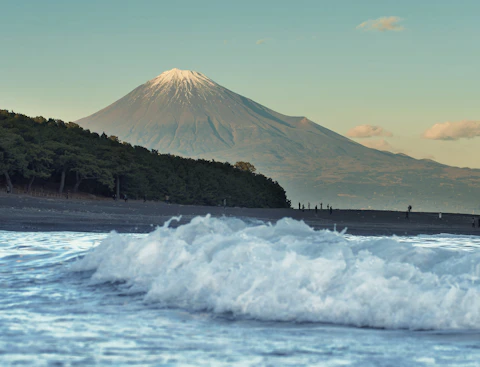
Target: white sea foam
290,272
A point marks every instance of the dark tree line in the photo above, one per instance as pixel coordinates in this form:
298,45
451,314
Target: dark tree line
37,151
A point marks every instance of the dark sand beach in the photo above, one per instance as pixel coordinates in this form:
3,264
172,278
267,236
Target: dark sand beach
19,212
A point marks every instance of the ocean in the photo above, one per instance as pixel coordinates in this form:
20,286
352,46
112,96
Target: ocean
233,292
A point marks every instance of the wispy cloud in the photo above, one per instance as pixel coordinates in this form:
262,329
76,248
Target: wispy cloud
382,144
261,41
379,144
453,130
382,24
367,131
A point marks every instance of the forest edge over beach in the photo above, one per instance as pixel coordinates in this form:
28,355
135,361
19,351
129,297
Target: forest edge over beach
51,153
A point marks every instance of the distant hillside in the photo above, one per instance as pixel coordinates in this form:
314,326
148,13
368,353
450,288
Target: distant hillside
36,151
185,113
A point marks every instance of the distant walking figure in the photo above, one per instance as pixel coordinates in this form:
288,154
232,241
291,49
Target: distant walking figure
331,209
439,215
299,206
409,208
316,209
303,207
328,206
125,197
167,199
321,206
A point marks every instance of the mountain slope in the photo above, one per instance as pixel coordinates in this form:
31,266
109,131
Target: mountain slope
186,113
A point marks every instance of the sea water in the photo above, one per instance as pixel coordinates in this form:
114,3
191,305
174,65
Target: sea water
232,292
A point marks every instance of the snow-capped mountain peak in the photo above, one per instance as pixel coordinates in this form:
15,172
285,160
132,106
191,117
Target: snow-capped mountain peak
185,113
177,76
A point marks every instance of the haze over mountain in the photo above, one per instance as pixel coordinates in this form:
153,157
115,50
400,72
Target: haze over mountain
186,113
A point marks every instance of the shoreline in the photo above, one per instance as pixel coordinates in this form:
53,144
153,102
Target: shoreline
25,213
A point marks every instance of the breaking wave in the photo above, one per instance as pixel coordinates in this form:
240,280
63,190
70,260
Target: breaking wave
290,272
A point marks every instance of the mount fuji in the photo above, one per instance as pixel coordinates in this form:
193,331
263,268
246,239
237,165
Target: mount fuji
185,113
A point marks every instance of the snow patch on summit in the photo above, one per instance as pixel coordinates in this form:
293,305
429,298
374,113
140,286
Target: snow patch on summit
180,84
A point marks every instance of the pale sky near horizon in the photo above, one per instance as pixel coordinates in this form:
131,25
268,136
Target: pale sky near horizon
411,65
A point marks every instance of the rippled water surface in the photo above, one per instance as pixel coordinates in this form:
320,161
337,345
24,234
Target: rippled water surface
226,292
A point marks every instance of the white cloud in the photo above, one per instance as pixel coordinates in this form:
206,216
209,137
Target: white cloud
453,130
382,24
367,131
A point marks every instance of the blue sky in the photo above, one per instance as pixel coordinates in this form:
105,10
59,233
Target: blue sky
68,59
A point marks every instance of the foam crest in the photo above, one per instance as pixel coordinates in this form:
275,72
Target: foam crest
290,272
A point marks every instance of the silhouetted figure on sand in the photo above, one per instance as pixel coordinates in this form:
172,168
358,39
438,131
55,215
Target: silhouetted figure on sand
331,209
409,209
299,206
321,206
316,209
303,207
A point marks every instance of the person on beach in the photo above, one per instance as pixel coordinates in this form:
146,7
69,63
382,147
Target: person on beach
321,206
316,209
299,206
439,215
409,208
303,207
331,210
